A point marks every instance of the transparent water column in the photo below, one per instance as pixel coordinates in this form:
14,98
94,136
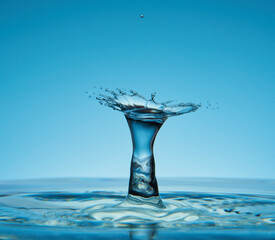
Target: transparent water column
143,186
145,118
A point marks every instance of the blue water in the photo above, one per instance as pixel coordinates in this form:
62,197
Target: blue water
84,209
145,118
104,209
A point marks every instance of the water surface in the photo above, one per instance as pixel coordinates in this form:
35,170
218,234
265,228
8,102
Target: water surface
195,208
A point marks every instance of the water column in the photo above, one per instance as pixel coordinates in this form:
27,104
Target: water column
145,117
143,186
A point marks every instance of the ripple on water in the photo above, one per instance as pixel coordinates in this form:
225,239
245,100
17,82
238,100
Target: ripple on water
104,209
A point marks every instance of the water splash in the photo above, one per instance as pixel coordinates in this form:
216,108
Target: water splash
137,107
179,211
145,117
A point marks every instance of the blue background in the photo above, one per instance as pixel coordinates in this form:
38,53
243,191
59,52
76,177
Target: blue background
52,52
